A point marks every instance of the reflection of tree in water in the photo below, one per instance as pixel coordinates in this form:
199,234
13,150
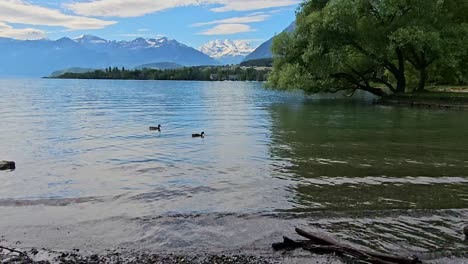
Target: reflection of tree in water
349,156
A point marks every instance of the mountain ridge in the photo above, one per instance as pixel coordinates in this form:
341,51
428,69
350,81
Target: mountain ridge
264,50
87,51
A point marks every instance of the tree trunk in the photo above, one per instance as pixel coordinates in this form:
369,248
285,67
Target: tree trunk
401,83
400,76
422,79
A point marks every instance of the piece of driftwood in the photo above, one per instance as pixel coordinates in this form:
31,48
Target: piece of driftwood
324,245
329,241
289,244
7,165
15,251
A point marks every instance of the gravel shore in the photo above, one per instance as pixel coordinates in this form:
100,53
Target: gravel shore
34,256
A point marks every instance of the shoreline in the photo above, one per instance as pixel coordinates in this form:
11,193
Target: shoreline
429,100
15,254
171,80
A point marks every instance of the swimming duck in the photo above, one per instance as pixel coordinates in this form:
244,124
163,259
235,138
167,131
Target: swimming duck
158,128
465,230
7,165
202,135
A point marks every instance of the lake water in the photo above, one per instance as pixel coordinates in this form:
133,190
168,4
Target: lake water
90,174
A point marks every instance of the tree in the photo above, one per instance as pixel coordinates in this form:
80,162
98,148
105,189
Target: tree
435,34
365,44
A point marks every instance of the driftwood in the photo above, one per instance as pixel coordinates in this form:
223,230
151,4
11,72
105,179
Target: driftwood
15,251
7,165
324,245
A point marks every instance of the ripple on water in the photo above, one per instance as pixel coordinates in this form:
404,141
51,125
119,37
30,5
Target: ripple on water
387,178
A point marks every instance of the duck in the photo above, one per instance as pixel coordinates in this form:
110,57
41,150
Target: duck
7,165
158,128
202,135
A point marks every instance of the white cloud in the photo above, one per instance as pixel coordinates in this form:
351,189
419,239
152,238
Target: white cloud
8,31
236,20
227,29
21,12
134,8
248,5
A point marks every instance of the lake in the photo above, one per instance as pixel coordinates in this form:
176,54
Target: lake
90,174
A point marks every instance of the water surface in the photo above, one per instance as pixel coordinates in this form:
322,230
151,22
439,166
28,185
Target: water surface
91,174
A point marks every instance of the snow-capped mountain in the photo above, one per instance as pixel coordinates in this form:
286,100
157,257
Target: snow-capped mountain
45,56
227,51
89,39
141,43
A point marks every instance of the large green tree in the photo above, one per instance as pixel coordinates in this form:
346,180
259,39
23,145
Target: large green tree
368,44
433,37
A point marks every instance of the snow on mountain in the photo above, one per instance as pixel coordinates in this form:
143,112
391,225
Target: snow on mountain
141,43
89,39
227,51
138,43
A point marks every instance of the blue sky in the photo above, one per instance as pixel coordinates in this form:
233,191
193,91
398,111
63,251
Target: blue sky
192,22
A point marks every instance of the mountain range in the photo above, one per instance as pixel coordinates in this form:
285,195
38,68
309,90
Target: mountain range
264,50
227,51
44,56
41,57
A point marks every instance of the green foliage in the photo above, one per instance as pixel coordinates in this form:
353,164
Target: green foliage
267,62
186,73
374,45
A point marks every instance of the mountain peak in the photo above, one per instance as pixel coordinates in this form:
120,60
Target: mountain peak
90,39
151,43
225,47
64,40
264,50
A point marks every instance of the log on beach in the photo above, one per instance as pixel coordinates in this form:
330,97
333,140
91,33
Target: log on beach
324,245
7,165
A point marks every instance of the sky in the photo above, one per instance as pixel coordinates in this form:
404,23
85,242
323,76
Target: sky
192,22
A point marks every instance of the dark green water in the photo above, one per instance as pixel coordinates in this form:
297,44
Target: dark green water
393,179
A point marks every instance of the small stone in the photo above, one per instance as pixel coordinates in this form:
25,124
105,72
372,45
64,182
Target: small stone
7,165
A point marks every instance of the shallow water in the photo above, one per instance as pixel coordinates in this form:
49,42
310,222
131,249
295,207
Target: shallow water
90,174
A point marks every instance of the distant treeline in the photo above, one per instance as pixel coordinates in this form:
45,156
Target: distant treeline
200,73
267,62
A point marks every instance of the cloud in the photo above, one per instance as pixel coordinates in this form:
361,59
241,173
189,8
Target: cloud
21,12
227,29
249,5
135,8
8,31
236,20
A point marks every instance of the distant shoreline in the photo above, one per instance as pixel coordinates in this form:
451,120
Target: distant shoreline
57,78
200,73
